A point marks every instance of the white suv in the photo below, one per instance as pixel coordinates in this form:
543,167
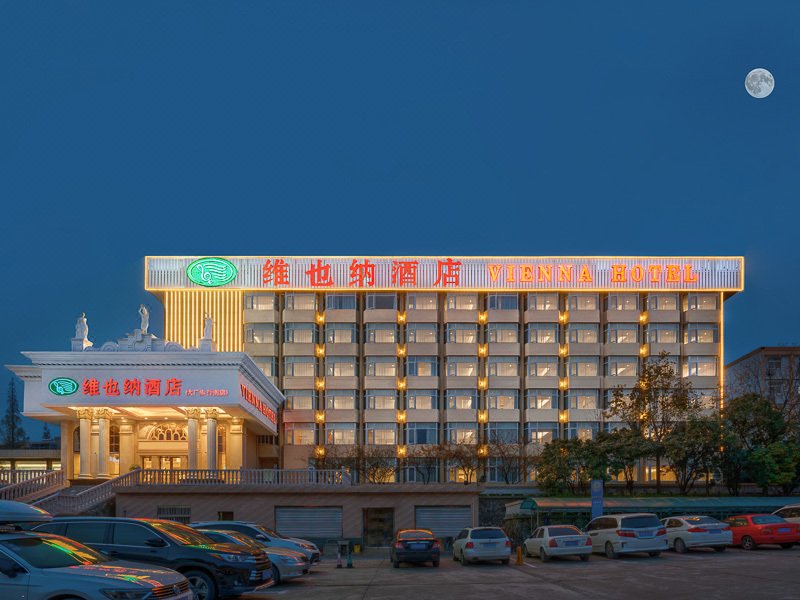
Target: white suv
790,513
625,534
482,543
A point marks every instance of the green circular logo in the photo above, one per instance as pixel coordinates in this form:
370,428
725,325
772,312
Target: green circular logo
211,272
63,386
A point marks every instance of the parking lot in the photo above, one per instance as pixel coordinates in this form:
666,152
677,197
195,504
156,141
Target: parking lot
764,573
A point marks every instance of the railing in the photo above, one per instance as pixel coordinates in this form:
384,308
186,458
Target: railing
87,499
222,477
12,476
36,487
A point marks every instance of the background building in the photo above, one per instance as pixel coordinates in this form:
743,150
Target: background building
770,371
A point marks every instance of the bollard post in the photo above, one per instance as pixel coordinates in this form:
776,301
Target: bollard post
338,559
349,559
519,555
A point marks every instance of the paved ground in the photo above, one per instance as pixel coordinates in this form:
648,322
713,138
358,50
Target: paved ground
763,574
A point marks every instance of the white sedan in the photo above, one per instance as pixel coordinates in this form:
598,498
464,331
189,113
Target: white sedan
697,531
558,540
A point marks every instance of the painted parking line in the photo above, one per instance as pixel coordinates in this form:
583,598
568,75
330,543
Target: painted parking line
533,566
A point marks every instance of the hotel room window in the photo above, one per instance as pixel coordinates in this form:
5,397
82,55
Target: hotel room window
340,301
701,333
340,433
340,399
462,333
702,302
293,301
662,333
622,366
542,301
540,433
502,333
542,366
662,302
259,301
462,366
622,302
582,366
300,333
380,333
622,333
543,399
382,301
503,399
502,302
299,434
421,301
340,333
462,399
541,333
462,433
422,366
380,399
300,399
381,366
700,366
422,333
582,333
422,399
259,333
503,433
462,301
266,364
419,434
299,366
582,430
380,434
582,302
503,366
341,366
582,399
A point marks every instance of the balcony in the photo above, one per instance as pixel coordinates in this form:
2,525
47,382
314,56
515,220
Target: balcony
337,315
299,316
260,316
465,349
422,316
541,316
503,316
623,316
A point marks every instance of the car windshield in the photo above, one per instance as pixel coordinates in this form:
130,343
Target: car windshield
417,534
556,531
702,521
641,521
53,552
768,520
181,534
271,532
487,534
234,537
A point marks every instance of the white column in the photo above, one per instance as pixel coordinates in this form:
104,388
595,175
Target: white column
85,415
127,446
67,450
193,427
211,438
103,441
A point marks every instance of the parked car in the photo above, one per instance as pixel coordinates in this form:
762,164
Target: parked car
286,564
414,546
482,543
263,534
697,531
614,535
791,513
749,531
213,570
558,540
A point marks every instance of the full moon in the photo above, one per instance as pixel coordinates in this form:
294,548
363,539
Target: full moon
759,83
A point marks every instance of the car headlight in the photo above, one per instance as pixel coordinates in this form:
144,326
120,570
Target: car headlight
290,560
236,558
126,594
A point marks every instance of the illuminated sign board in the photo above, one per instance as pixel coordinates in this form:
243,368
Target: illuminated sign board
446,273
259,404
63,386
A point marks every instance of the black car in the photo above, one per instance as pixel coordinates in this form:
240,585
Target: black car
414,546
213,570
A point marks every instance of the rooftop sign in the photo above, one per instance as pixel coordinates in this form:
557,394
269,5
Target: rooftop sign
463,273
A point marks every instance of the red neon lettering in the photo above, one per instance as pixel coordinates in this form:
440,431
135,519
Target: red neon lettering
319,274
276,272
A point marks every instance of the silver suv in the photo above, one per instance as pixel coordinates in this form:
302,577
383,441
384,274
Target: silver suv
627,533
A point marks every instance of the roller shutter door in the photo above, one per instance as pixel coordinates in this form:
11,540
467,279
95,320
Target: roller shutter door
443,521
309,522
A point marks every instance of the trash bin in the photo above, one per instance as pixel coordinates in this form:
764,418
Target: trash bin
343,547
356,548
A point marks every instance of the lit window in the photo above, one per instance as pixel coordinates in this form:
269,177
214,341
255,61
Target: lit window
582,366
422,399
622,366
543,399
380,434
462,333
662,302
462,433
380,333
540,433
341,366
299,434
542,366
422,366
502,333
259,301
340,433
340,333
421,301
502,302
701,302
462,399
503,399
295,301
582,333
422,333
340,301
541,333
622,302
662,333
622,333
380,399
300,399
462,301
340,399
582,302
582,399
266,364
542,301
299,366
701,333
381,366
259,333
462,366
300,333
381,301
503,366
701,366
581,430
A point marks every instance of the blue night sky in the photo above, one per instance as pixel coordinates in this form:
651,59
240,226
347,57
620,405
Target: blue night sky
406,127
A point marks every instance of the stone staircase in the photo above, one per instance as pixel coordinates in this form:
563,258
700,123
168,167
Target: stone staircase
79,499
35,488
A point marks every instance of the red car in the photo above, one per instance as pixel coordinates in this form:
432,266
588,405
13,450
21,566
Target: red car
751,530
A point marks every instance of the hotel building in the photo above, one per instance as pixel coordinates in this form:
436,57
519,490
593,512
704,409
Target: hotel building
403,352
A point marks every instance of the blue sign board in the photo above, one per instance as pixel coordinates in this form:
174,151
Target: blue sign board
597,498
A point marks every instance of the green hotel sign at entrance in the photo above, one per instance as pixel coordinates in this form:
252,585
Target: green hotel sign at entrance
63,386
211,272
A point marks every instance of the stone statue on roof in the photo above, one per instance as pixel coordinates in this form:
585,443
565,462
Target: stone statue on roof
145,315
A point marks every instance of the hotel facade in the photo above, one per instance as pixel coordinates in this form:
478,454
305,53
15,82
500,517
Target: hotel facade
400,353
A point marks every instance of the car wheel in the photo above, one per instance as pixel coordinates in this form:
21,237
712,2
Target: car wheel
610,551
201,585
655,554
748,543
680,546
505,561
786,546
585,557
276,574
719,548
455,556
543,555
527,550
436,563
462,560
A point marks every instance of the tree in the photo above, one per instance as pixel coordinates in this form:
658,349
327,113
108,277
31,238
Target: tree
692,450
624,449
659,400
773,465
13,432
464,457
554,467
424,461
508,458
368,463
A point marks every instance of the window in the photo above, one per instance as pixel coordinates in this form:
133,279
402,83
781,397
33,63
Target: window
418,434
380,434
502,302
113,441
541,333
582,302
503,399
462,333
421,301
299,434
87,532
168,432
581,430
774,366
701,333
702,302
707,399
622,366
266,364
422,399
301,399
542,301
701,366
542,366
380,399
582,333
462,433
340,399
259,301
299,366
131,534
300,333
422,366
341,366
543,399
458,474
609,397
622,302
340,433
582,366
295,301
540,433
381,333
259,333
622,333
462,366
503,433
421,471
502,333
422,333
669,360
382,301
462,399
462,301
340,333
504,366
340,301
662,302
582,399
662,333
381,366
